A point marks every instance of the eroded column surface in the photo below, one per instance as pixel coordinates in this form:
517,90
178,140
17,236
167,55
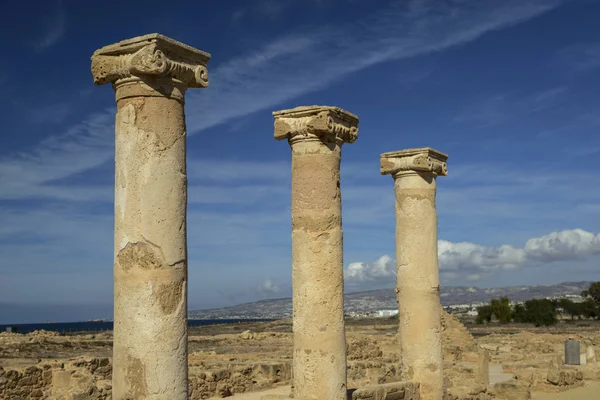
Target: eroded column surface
316,135
418,279
150,75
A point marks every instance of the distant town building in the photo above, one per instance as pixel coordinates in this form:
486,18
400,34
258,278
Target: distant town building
386,313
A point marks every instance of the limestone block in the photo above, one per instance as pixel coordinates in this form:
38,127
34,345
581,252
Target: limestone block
483,368
388,391
590,354
511,391
246,335
61,379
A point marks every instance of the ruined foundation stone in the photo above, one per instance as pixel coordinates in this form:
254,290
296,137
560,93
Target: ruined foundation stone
316,135
418,282
150,75
590,354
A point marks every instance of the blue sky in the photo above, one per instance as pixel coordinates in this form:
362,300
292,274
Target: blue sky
509,89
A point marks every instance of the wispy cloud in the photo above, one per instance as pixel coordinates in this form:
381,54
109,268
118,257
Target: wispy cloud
581,57
271,75
33,174
54,28
498,108
270,9
50,114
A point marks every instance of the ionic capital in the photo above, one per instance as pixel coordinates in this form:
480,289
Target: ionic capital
152,55
316,123
424,159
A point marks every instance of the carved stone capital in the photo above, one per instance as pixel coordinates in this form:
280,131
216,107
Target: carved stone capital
316,123
414,160
151,55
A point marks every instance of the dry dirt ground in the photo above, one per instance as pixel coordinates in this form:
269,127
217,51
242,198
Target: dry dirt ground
238,359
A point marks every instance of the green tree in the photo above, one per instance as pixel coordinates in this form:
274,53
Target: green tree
484,314
540,312
501,310
589,309
520,313
593,292
568,307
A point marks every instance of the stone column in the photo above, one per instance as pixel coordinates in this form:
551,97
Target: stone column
150,75
418,279
316,135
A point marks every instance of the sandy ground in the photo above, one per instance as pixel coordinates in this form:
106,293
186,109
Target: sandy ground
591,391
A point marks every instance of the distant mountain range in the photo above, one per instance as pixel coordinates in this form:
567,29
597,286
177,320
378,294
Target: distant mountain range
385,299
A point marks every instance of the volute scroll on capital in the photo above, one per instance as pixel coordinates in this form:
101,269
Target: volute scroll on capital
414,160
151,55
316,123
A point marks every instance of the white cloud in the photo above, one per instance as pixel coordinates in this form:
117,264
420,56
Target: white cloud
566,245
384,267
268,287
457,256
473,261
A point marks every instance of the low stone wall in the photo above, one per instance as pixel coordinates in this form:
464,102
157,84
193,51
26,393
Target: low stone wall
79,379
224,380
90,379
388,391
550,379
362,373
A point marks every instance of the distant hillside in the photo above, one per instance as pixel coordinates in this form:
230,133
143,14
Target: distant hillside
385,299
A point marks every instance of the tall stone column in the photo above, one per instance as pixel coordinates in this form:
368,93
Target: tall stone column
418,277
316,135
150,75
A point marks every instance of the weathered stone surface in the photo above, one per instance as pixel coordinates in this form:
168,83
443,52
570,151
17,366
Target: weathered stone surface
388,391
232,379
483,368
316,135
417,270
150,75
457,341
79,379
511,391
150,56
590,354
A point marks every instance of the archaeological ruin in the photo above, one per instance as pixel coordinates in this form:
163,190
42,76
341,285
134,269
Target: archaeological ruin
150,75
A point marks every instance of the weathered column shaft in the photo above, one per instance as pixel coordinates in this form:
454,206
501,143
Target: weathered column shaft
319,362
317,271
417,279
150,270
150,333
